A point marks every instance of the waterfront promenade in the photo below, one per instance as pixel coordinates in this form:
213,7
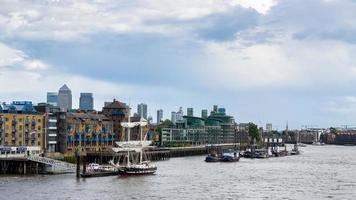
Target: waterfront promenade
320,172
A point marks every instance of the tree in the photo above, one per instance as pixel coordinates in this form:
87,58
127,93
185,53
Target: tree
165,124
253,132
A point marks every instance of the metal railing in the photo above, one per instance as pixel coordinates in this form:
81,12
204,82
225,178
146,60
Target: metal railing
53,163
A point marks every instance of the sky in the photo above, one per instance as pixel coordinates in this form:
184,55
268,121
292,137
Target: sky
265,61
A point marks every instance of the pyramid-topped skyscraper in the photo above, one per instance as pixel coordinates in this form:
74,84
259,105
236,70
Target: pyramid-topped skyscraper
65,98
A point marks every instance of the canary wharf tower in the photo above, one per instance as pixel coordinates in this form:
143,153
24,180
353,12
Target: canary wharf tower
65,98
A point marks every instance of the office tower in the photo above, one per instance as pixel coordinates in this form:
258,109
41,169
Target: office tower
174,117
190,112
215,109
159,116
269,127
179,114
86,101
65,98
142,110
204,113
52,98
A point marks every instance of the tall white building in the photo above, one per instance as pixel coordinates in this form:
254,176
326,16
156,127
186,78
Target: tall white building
65,98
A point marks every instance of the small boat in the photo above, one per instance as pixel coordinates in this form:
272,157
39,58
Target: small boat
230,156
213,158
96,170
261,153
295,150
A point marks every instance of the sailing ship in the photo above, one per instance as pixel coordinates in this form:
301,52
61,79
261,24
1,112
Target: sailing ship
132,166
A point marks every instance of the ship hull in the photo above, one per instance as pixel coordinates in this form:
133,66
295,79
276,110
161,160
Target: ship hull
132,171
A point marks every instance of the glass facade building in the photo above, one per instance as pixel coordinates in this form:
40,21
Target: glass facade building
142,110
86,101
52,98
65,98
215,129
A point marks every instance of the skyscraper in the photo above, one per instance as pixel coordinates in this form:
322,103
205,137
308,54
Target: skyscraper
190,112
179,114
86,101
52,98
269,127
174,117
65,98
215,109
142,110
159,116
204,113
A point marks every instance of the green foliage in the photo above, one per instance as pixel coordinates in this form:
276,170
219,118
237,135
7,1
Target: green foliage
253,132
165,124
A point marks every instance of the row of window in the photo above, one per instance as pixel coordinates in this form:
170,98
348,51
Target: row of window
21,120
20,128
27,143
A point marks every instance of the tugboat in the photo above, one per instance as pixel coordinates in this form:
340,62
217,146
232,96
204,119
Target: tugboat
132,167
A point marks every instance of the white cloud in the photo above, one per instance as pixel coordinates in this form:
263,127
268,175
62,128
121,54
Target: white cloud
76,20
33,65
261,6
284,64
10,56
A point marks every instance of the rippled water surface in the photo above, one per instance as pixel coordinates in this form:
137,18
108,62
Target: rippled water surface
320,172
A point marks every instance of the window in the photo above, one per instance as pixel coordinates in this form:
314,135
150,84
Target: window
39,128
20,127
39,120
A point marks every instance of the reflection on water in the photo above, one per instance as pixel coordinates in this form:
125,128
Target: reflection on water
320,172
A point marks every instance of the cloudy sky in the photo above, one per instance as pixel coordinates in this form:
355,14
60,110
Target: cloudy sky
263,60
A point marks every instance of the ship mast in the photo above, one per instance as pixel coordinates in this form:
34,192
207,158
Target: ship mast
141,135
128,137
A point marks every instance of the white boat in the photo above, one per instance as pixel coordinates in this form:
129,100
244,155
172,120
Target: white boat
132,167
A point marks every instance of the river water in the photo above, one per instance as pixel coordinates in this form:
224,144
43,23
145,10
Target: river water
320,172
